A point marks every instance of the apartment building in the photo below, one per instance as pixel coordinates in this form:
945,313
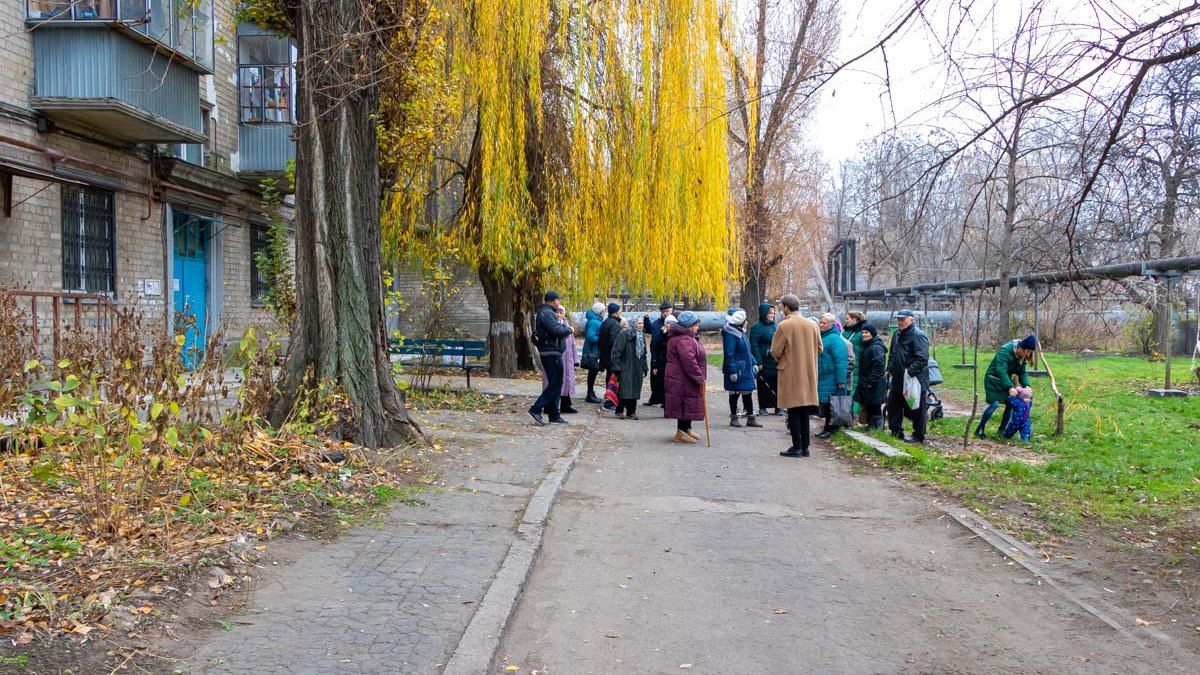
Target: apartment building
134,137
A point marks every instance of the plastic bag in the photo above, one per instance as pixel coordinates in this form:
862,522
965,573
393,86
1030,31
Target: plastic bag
841,411
912,391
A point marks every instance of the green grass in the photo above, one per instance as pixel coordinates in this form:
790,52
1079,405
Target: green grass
1125,459
714,360
36,546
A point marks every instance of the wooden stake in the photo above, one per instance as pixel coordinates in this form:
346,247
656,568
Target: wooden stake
1060,414
707,429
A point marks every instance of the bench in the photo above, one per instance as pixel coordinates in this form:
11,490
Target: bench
459,350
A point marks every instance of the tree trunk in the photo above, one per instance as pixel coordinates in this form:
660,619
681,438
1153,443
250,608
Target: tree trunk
1167,239
340,334
1004,331
752,295
500,291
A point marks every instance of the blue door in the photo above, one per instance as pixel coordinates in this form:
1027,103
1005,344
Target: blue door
191,284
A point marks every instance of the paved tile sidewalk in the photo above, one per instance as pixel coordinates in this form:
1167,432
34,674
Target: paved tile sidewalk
396,596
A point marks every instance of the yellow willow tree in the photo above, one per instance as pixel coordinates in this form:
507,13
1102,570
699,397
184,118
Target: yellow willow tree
596,160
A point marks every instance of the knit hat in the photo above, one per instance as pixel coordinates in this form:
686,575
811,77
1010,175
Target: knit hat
688,319
1028,342
598,308
737,317
551,296
870,328
613,308
671,319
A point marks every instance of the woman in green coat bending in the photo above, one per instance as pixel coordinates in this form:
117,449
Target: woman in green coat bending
1004,373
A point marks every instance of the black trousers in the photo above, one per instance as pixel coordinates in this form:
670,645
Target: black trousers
897,410
591,392
797,423
552,365
658,382
872,410
747,402
683,425
627,406
767,386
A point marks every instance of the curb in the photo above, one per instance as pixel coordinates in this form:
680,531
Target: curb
476,650
1087,599
876,444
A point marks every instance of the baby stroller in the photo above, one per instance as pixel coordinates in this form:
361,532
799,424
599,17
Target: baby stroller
932,402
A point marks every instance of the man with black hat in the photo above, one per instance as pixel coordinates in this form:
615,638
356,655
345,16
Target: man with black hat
610,330
548,336
909,355
658,353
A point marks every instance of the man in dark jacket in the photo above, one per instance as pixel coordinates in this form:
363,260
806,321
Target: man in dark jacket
658,366
610,330
549,335
909,354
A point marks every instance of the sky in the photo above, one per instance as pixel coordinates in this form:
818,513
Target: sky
857,106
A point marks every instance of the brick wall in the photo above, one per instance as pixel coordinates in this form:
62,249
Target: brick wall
468,308
31,239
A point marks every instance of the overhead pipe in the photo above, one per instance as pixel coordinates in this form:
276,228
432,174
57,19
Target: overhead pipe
1159,267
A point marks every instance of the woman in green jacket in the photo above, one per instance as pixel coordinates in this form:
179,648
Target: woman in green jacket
1004,373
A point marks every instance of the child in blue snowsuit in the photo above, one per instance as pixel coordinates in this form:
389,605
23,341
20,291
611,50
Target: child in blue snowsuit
1020,420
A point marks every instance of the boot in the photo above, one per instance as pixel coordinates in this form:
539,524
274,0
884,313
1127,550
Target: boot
591,398
681,437
734,421
752,421
875,423
693,434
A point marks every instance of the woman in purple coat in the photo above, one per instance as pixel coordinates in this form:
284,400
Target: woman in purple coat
687,369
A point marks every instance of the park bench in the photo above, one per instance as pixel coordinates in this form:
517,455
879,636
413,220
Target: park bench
454,352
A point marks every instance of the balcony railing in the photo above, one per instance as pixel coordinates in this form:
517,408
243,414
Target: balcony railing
265,148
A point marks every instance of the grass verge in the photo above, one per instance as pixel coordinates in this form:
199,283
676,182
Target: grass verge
1126,462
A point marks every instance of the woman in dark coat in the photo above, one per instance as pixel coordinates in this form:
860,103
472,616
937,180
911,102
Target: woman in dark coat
761,335
629,365
872,387
687,369
739,367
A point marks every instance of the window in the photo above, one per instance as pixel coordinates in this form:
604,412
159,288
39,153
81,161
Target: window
259,285
266,82
194,153
89,256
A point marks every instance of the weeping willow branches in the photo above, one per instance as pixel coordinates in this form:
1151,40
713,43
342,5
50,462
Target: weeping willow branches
598,156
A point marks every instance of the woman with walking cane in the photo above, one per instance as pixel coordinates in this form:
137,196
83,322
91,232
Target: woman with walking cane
687,371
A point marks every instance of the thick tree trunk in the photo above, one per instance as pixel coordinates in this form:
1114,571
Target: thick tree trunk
500,291
752,295
340,334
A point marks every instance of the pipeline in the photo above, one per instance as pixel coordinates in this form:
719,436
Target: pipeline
1117,271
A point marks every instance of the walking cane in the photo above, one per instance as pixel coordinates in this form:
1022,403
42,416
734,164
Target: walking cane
707,430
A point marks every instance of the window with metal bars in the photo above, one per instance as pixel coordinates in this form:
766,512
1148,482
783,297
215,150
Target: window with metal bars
259,284
89,243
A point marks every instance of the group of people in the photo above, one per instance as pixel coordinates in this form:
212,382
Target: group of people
798,366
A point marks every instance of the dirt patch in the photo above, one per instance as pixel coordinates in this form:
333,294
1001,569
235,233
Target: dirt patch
989,450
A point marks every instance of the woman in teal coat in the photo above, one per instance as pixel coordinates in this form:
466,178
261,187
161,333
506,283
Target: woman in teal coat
833,370
1004,373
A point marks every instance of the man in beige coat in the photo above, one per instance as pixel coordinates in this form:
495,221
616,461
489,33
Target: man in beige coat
796,346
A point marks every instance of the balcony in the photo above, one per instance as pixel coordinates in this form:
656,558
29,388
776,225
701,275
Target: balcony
97,79
264,150
179,29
